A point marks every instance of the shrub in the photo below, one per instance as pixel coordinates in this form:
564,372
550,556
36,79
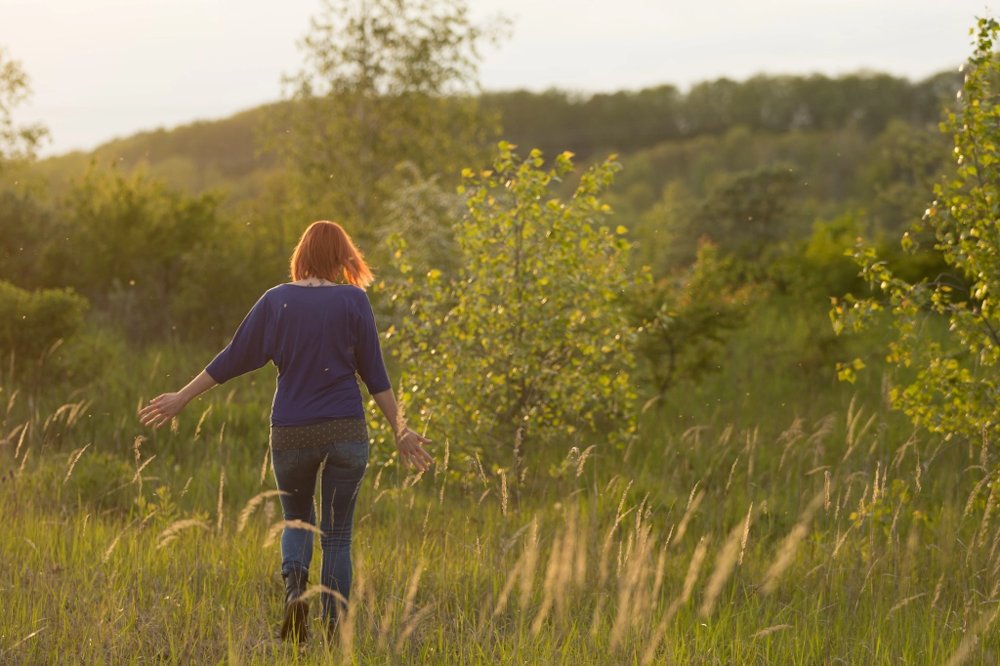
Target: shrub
31,322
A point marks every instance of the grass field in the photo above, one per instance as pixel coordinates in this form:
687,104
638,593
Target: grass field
742,528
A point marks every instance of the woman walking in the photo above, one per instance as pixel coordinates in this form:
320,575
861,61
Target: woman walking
320,333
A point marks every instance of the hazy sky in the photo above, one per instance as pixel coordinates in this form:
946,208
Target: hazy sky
106,68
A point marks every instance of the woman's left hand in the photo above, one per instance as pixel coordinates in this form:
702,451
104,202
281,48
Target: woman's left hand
161,409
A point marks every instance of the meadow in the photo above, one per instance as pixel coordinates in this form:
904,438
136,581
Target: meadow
703,491
760,518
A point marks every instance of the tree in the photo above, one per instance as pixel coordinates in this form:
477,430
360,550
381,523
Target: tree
529,343
386,83
953,385
125,242
686,318
750,211
16,141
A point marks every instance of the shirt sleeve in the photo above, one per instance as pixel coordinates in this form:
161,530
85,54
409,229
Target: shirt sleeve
368,351
249,348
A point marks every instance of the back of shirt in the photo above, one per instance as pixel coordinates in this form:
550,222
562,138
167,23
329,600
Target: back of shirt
318,337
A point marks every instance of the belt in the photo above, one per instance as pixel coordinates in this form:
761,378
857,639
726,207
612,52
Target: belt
334,431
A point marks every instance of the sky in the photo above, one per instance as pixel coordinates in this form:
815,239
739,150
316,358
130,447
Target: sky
102,69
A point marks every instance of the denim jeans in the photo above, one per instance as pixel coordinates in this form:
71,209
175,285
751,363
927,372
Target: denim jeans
341,467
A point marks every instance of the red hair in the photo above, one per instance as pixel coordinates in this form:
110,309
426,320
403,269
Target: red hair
326,251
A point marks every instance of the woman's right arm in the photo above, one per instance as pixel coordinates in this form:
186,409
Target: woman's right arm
409,444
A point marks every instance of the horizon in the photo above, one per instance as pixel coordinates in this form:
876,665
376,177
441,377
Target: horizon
113,69
578,94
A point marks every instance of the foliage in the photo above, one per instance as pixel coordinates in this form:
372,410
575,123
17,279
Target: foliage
750,211
765,104
134,233
385,83
29,253
529,342
955,386
685,320
16,141
818,266
31,322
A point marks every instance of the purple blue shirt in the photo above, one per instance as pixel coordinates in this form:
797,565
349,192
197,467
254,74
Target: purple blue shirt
321,339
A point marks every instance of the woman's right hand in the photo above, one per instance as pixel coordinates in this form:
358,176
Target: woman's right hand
411,449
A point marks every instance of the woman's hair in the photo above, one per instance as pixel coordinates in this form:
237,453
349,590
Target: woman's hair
326,251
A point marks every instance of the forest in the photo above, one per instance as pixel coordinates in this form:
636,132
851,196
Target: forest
710,373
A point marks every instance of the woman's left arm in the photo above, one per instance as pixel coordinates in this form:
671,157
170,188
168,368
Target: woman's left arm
166,406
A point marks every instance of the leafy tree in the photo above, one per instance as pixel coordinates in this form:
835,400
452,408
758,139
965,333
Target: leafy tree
16,141
750,210
128,236
385,83
529,342
686,318
953,386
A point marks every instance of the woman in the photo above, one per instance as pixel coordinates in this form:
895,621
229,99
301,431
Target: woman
320,333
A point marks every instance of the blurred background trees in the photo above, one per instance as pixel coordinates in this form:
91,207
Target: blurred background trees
737,200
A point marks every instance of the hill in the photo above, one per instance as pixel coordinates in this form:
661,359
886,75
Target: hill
660,128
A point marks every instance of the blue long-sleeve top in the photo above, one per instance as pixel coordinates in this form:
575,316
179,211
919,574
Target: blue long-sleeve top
318,337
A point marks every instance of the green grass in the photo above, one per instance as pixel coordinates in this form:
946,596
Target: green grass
866,543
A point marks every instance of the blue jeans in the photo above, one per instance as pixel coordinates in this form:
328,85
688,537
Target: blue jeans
341,466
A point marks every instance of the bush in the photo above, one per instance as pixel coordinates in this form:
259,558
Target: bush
31,322
529,343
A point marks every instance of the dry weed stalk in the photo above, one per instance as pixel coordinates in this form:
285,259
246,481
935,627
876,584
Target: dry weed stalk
175,528
767,631
275,529
411,625
905,602
732,471
263,465
789,438
854,435
111,547
548,586
24,461
634,601
409,619
201,421
725,563
20,440
443,470
971,638
583,459
984,523
694,501
73,459
503,493
218,506
530,564
790,544
138,472
694,568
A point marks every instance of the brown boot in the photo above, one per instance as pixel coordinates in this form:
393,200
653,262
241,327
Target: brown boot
293,627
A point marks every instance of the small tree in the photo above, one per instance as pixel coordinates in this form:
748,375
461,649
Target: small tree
529,343
687,317
16,141
955,386
385,84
